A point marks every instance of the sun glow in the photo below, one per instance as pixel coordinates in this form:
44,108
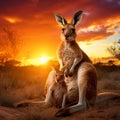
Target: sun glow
44,59
38,61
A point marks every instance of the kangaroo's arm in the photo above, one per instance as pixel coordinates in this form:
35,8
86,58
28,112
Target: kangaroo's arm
75,63
78,56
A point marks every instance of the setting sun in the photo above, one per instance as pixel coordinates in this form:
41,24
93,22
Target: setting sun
44,59
37,61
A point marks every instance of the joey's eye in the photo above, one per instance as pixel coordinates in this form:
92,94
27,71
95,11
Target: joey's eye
73,30
63,29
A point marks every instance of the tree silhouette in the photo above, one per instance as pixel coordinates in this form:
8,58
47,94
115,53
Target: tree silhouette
9,44
115,49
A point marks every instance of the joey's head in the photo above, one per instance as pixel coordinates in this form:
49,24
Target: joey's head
59,75
68,29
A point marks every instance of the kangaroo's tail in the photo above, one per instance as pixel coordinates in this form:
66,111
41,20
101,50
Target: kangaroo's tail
75,108
106,96
27,103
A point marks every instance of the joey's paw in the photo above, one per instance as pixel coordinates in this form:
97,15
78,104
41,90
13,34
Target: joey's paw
62,112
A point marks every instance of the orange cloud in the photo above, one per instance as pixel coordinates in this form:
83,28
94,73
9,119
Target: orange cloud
36,23
98,31
12,20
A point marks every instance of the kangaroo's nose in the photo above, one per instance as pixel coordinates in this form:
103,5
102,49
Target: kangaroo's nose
66,36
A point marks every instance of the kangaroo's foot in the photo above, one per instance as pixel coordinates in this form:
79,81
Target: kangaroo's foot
22,104
62,112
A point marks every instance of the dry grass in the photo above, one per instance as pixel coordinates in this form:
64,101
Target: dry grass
104,85
19,83
109,78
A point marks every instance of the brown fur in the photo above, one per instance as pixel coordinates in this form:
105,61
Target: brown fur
81,76
56,90
69,53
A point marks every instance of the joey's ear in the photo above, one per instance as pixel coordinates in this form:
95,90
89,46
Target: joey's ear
56,68
77,17
60,20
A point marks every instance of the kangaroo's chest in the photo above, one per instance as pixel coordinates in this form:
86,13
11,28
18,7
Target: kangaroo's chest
68,54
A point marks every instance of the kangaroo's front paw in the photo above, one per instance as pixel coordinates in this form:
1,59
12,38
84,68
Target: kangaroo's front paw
71,73
66,72
62,112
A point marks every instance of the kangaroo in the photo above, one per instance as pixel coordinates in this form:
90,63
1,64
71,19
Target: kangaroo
81,75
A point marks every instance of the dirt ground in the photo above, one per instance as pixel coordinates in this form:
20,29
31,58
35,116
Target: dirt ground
107,110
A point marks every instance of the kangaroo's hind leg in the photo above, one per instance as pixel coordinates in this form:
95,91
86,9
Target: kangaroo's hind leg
82,85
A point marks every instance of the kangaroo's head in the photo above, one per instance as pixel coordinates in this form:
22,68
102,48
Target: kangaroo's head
68,29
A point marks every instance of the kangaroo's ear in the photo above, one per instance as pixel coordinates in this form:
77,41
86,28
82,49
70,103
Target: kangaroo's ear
60,20
77,17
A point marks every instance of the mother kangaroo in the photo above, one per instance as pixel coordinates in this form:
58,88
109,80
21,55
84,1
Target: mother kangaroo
81,76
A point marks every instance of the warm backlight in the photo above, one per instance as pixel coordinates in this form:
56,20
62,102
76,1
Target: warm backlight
39,61
44,59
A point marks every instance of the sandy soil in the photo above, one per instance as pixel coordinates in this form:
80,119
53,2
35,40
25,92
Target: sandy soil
107,110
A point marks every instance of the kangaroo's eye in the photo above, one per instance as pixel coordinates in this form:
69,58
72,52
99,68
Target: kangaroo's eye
73,30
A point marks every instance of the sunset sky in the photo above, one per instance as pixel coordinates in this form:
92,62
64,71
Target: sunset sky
34,21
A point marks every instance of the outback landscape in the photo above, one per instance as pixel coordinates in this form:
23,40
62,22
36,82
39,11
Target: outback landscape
29,39
27,83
